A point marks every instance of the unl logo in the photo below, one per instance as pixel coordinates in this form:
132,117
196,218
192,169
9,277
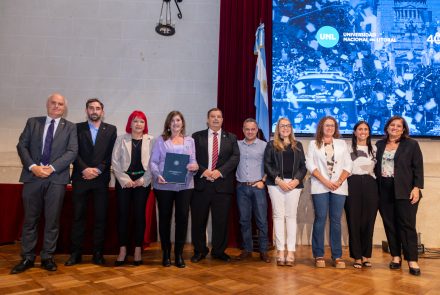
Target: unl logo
327,36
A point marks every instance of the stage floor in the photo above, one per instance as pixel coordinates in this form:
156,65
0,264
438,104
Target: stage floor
214,277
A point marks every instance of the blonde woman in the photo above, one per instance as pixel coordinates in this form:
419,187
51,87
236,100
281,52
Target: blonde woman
284,164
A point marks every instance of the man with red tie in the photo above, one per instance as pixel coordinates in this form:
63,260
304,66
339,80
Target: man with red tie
217,154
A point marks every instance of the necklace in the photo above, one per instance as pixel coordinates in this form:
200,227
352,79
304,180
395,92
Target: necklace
139,141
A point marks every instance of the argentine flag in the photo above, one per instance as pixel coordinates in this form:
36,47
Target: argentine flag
260,84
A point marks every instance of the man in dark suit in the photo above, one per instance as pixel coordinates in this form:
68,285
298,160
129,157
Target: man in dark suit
47,146
217,154
91,175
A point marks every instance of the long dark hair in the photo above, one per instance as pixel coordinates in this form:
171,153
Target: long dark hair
405,133
354,138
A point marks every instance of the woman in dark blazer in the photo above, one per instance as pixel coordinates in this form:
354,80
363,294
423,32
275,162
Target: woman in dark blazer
399,171
284,164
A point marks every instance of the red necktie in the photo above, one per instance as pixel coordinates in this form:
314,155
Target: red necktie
214,150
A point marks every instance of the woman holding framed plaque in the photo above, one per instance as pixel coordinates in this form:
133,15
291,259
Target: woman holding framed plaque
130,158
173,164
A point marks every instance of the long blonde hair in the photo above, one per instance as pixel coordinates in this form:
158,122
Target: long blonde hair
278,142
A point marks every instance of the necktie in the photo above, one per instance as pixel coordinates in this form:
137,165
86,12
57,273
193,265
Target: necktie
214,150
45,158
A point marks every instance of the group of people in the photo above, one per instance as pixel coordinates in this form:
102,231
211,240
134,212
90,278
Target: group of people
359,176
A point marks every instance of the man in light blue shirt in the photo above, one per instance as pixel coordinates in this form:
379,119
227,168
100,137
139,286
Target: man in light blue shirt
251,193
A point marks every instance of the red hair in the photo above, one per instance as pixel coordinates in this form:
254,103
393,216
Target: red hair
136,114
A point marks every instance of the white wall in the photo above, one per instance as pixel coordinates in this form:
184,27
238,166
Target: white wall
107,49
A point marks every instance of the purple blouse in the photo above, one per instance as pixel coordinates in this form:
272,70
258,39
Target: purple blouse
157,161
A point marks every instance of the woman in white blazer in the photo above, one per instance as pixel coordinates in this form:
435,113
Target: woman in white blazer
328,162
130,159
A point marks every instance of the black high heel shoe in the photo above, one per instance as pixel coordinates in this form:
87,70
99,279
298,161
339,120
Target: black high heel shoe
395,265
120,263
415,271
137,262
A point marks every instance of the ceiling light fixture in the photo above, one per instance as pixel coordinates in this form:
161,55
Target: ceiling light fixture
165,26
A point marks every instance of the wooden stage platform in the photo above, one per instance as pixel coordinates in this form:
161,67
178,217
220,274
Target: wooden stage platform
215,277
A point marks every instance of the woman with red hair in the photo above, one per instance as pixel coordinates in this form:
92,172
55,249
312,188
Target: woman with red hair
130,158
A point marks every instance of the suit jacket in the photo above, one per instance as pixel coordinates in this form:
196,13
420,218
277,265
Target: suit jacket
63,153
408,166
94,156
228,158
121,158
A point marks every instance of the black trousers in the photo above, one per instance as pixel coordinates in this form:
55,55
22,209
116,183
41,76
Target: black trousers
126,198
361,209
81,193
41,196
399,220
219,204
165,203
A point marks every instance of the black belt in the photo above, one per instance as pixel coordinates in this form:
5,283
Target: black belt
249,183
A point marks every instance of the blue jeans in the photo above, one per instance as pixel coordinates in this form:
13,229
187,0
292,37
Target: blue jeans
252,200
333,204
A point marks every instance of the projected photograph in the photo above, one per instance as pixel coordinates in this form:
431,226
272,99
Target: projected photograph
357,60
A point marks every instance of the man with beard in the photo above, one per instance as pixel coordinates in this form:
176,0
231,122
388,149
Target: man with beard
91,176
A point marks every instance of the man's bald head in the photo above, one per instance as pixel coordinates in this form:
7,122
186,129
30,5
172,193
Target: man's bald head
56,105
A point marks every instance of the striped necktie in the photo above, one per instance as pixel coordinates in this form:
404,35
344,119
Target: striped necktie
214,150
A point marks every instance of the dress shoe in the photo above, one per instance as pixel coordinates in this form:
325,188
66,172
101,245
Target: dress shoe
264,257
73,259
22,266
244,255
98,258
166,259
223,257
49,264
197,257
137,262
121,262
179,262
395,265
414,271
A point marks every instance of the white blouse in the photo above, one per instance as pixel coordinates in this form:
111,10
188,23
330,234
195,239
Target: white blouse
363,162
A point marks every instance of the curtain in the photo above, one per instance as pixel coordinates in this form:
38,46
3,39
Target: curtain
239,20
236,69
